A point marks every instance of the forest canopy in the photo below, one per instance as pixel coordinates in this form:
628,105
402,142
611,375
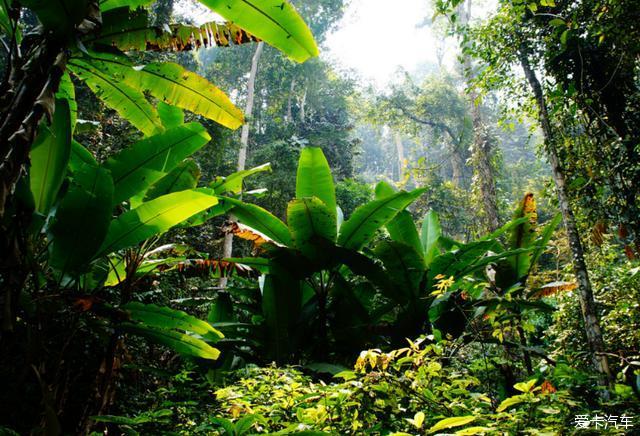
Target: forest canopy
236,217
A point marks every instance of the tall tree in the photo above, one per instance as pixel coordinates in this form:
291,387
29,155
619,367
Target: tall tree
482,145
227,249
504,41
587,303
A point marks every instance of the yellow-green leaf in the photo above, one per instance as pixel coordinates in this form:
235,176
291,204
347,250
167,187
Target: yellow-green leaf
473,431
274,21
525,386
452,422
511,401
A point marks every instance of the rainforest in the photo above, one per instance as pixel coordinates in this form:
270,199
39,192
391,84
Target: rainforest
319,217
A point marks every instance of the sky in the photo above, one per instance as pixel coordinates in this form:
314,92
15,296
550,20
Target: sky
373,39
376,39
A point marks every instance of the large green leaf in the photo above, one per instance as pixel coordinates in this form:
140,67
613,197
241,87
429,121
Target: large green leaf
309,219
129,29
545,237
173,84
106,5
153,218
79,156
82,219
58,17
167,318
274,21
233,182
142,164
67,91
523,236
281,305
170,116
430,235
49,157
401,228
453,263
368,218
6,24
314,177
184,176
261,220
130,103
403,264
179,342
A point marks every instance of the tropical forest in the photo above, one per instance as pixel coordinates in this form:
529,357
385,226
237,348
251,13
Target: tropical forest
319,217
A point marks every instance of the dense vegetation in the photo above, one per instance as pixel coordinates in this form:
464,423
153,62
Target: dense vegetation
454,253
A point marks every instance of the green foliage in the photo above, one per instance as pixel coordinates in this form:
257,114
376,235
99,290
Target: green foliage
49,156
283,27
406,391
139,166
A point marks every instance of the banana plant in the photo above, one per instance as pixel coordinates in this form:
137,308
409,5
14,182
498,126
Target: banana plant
307,260
90,246
323,279
90,39
93,217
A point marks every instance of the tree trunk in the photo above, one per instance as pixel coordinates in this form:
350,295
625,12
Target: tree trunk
400,153
587,302
303,104
482,146
289,117
457,167
227,248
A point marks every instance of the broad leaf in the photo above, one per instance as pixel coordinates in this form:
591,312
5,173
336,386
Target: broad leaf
259,219
452,422
82,219
58,17
106,5
49,157
403,264
314,178
67,91
368,218
167,318
510,402
430,235
523,236
309,219
130,29
401,228
130,103
454,263
274,21
233,182
153,218
545,237
6,24
170,116
281,305
79,156
184,176
179,342
179,87
145,162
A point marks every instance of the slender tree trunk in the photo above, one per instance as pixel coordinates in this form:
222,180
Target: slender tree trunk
303,106
482,146
289,117
227,248
587,302
457,167
400,153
